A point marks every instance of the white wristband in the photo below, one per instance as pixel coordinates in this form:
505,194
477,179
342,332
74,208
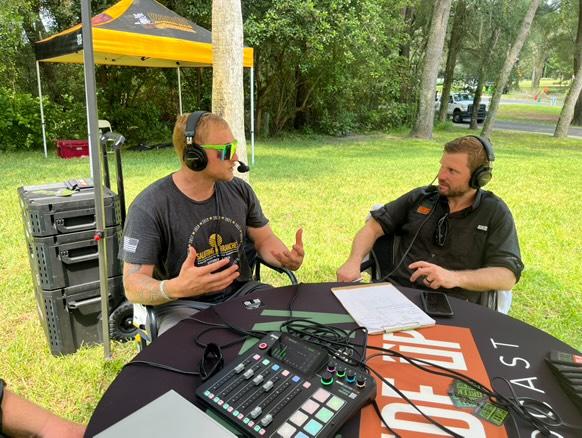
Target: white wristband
163,291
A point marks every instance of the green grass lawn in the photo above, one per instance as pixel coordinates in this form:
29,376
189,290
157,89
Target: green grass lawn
544,114
552,86
325,185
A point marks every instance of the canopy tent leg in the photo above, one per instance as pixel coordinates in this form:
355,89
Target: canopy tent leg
252,79
42,122
180,91
96,165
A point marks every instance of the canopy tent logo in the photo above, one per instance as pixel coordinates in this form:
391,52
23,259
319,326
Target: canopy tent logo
101,19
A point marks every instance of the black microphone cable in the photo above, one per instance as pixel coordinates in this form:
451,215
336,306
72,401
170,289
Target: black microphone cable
536,413
387,276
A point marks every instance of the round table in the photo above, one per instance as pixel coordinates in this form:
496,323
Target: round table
476,340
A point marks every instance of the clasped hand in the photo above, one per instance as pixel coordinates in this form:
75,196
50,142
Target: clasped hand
432,275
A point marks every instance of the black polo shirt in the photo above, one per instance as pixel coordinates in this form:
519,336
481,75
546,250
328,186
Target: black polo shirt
482,235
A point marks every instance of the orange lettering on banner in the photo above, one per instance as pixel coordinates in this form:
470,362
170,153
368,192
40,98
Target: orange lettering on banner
451,347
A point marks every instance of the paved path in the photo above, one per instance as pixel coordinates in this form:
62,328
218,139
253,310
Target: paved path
573,132
537,128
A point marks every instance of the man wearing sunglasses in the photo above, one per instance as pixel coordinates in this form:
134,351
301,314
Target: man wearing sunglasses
454,237
184,235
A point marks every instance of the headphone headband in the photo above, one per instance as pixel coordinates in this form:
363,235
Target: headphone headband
483,174
487,146
191,124
194,156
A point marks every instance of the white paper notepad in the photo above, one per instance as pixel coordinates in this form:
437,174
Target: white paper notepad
381,308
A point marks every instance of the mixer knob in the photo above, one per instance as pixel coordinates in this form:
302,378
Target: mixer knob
350,376
360,381
326,378
248,374
331,366
340,371
238,369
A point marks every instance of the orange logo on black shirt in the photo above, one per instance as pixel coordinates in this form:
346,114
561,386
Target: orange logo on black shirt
423,209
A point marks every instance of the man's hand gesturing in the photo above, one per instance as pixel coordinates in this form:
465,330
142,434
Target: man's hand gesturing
194,281
292,259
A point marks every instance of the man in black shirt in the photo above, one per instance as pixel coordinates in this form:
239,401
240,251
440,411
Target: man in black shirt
454,237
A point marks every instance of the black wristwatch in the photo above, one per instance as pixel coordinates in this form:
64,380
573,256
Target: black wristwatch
2,385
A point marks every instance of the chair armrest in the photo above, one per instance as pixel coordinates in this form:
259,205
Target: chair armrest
499,300
366,264
152,322
260,261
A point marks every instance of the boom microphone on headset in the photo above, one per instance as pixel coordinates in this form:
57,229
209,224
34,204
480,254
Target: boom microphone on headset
242,167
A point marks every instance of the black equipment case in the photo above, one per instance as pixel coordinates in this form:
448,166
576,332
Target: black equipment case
59,226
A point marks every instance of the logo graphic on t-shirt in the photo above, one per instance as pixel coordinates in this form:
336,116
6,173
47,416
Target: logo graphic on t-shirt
215,240
224,237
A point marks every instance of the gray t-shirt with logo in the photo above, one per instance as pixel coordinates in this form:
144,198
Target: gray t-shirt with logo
162,222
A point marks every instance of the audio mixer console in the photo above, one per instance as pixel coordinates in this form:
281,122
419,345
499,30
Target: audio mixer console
286,387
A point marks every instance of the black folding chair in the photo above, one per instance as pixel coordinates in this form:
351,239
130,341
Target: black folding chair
382,260
146,321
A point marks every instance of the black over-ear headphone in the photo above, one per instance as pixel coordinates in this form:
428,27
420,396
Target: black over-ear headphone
194,156
483,174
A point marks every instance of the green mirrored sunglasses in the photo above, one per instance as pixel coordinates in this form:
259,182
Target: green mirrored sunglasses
227,150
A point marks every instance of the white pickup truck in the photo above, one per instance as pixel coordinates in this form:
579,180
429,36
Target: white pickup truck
461,107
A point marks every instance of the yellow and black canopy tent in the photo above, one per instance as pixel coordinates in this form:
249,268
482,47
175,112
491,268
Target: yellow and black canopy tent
138,33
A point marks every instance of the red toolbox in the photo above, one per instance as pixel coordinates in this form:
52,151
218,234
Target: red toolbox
72,148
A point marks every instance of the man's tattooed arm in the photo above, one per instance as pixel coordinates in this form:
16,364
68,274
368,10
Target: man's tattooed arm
140,286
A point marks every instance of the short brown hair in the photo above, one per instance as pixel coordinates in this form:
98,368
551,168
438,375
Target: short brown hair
179,135
470,146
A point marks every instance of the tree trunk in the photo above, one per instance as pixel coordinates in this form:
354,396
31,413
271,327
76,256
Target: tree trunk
434,49
457,34
568,108
577,119
538,69
300,96
486,49
477,100
577,61
408,14
507,66
227,74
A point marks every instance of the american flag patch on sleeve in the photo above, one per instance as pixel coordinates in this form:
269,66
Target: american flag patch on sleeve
130,244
